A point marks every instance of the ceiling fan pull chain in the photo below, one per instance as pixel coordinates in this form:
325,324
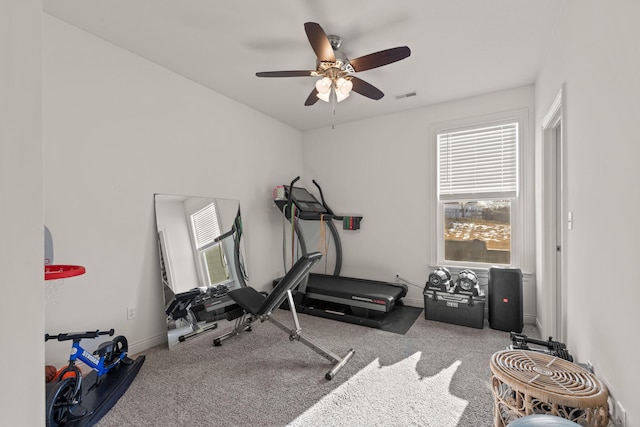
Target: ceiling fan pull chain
333,118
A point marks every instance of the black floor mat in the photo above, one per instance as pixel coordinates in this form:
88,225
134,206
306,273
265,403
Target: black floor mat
98,400
400,319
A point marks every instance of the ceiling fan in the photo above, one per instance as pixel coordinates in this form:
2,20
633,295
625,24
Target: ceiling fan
336,71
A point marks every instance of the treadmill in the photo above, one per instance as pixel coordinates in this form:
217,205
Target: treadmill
359,301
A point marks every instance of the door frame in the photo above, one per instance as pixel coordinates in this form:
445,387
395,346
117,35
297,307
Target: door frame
554,213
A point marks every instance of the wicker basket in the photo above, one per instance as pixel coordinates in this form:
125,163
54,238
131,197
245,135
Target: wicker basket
529,382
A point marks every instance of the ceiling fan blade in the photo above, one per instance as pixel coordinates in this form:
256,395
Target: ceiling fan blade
319,42
366,89
298,73
312,98
378,59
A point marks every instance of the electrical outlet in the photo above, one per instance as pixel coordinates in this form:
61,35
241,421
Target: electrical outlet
131,312
621,415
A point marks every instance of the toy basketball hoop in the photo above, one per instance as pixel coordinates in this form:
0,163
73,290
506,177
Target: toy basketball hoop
59,271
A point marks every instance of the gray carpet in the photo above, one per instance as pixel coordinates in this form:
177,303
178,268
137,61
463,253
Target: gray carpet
436,374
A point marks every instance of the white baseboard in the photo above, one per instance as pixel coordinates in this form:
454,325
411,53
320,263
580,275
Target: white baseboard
413,302
530,319
140,346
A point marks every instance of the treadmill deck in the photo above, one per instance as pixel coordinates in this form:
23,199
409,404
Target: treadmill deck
370,294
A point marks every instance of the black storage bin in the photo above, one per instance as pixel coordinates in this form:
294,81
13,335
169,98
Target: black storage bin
458,309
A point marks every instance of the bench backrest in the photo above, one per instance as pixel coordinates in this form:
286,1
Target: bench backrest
290,280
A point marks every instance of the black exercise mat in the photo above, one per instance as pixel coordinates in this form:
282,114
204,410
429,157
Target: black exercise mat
400,319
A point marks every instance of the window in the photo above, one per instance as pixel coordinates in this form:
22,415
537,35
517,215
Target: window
477,192
211,260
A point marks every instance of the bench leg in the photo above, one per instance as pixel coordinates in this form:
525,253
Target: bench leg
297,335
242,324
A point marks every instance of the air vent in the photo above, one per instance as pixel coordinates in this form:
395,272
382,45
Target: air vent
406,95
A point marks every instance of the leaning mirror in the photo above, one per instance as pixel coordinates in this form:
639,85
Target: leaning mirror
201,253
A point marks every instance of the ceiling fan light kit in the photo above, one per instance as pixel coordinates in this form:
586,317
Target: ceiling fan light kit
335,70
323,86
343,88
340,86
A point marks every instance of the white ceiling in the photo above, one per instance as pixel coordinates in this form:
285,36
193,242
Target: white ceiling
459,48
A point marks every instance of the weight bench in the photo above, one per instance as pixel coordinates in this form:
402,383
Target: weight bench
258,306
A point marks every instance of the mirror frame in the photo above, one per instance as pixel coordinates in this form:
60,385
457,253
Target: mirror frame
194,308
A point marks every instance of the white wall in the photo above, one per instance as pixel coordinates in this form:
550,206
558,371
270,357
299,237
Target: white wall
382,168
21,230
596,55
118,129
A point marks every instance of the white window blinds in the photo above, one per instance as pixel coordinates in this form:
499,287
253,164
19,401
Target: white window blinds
478,163
205,226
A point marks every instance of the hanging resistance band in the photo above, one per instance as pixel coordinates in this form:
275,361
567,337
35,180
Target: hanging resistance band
322,242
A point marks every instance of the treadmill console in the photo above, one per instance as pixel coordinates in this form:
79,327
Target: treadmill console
305,201
308,206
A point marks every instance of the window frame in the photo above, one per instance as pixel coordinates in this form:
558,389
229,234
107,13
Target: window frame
518,221
200,250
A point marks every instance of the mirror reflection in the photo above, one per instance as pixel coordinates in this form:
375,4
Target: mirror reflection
201,258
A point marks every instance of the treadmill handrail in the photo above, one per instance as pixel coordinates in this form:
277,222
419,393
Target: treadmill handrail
322,200
290,199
